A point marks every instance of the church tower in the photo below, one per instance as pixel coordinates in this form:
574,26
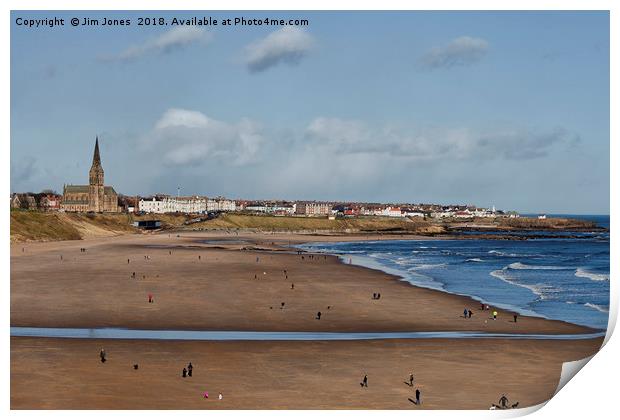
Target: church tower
95,181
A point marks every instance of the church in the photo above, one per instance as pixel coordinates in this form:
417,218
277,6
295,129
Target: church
95,197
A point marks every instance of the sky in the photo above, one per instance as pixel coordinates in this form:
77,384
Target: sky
504,109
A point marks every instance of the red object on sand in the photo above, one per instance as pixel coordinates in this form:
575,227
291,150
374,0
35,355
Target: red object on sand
206,395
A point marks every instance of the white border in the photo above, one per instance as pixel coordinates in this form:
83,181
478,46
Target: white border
591,393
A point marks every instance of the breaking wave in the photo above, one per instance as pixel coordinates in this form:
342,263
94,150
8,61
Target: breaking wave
597,307
521,266
580,272
540,290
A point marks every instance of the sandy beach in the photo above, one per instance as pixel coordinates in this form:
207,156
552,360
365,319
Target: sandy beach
451,374
238,282
226,284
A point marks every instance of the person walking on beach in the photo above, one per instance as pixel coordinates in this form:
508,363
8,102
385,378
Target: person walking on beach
411,379
102,355
150,298
470,313
184,373
515,317
503,401
219,397
364,382
292,285
464,313
190,368
494,315
318,315
417,397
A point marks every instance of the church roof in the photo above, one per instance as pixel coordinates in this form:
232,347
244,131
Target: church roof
85,188
76,189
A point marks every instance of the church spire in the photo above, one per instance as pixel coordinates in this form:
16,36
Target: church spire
96,158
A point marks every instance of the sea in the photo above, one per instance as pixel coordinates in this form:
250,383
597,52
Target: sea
563,277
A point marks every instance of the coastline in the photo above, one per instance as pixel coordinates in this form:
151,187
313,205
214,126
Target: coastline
96,290
219,292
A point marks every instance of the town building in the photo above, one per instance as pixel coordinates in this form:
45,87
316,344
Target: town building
313,208
221,204
50,202
94,197
165,204
23,201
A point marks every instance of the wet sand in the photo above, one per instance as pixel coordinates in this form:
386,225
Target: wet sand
212,286
451,374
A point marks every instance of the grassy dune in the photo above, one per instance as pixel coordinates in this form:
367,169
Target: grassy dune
41,226
282,223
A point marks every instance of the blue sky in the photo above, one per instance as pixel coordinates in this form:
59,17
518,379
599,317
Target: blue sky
490,108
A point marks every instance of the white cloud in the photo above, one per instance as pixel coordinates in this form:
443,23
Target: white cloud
349,137
185,137
171,40
287,45
460,51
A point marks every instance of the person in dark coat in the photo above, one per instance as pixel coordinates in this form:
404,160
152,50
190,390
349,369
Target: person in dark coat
190,368
364,382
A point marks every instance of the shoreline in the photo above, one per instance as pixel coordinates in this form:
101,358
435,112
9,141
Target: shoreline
87,301
373,265
220,292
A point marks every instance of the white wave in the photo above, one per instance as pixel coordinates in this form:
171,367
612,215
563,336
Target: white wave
580,272
541,290
502,254
475,259
597,307
426,266
521,266
509,254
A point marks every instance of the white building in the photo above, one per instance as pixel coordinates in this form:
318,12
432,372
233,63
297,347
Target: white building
173,205
391,212
221,204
